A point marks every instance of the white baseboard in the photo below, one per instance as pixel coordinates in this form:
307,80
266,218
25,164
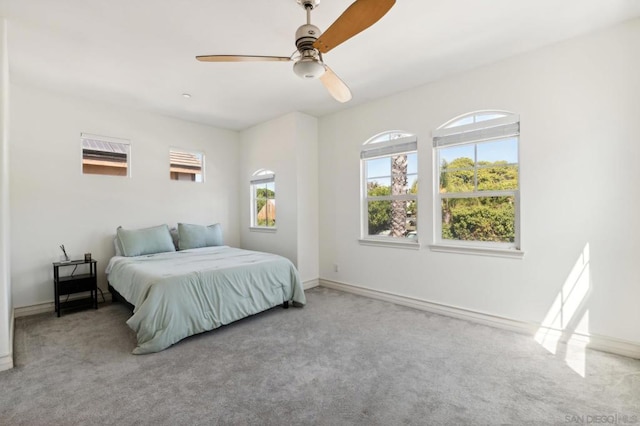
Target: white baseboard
6,361
614,346
311,283
48,307
598,342
40,308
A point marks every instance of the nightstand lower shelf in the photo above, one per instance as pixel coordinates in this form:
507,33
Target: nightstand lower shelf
85,302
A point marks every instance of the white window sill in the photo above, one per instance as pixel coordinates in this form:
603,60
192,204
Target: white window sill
480,251
270,229
411,245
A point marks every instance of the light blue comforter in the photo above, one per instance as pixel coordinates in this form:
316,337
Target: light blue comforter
183,293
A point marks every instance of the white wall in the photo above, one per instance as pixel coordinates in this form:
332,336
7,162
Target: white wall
308,240
53,203
6,308
579,103
287,146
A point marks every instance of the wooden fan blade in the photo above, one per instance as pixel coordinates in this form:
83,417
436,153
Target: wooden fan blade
240,58
358,17
335,86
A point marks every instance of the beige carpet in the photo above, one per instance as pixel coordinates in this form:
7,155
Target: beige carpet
343,359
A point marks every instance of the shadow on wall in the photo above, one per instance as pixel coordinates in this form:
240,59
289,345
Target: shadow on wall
568,318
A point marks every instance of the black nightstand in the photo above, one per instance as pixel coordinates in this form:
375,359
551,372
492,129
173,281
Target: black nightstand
75,283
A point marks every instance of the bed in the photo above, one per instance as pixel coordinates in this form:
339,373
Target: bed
176,294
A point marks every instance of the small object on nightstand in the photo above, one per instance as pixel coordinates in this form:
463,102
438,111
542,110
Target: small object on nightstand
87,257
69,284
65,258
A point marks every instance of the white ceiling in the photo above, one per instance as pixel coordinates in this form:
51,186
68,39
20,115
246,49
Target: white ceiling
140,53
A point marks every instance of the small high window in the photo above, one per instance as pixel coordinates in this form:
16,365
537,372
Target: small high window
186,165
103,155
263,199
389,164
478,181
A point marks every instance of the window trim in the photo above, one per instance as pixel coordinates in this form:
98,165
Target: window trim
258,177
373,149
382,241
493,129
480,251
504,127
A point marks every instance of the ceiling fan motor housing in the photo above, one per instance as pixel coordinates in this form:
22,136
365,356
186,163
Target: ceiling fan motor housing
308,3
306,35
309,65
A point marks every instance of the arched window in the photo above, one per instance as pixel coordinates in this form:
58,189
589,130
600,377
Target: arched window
263,199
389,164
478,198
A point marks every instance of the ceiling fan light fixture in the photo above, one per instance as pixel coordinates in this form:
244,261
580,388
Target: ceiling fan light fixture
311,43
308,68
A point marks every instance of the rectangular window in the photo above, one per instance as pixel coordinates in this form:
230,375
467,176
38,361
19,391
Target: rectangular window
477,202
390,208
186,165
263,201
102,155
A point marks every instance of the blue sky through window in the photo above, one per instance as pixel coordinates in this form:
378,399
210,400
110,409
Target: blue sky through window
497,150
379,169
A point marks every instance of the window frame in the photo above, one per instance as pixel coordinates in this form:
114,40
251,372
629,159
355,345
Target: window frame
383,145
261,176
503,126
107,140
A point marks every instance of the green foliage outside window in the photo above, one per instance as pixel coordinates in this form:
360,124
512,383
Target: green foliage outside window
380,212
265,215
477,217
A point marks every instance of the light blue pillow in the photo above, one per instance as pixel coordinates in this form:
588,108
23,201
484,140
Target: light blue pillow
117,245
145,241
196,236
174,237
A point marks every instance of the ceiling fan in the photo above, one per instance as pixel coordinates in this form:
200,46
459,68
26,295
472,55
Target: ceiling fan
311,43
